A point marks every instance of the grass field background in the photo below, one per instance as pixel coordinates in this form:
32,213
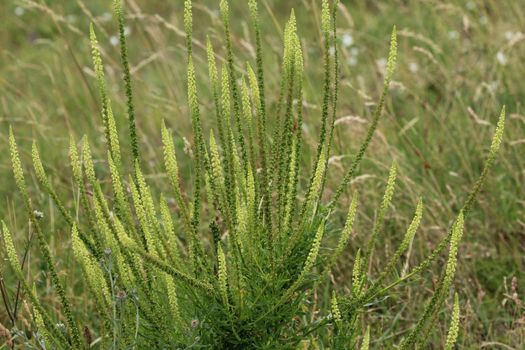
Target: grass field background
459,63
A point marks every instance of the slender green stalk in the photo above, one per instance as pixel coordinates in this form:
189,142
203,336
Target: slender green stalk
117,6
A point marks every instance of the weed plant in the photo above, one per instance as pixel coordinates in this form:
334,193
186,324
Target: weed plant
233,257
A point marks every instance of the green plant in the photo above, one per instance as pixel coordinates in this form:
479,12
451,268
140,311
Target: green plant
236,266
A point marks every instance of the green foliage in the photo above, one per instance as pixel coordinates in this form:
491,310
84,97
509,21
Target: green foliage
235,266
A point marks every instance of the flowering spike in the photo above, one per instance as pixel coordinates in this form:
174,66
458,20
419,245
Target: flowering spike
336,313
387,199
366,339
117,6
453,331
223,275
173,299
10,249
188,24
347,231
356,275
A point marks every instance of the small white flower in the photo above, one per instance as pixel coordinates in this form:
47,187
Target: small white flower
127,31
114,40
19,11
413,67
453,35
501,58
347,40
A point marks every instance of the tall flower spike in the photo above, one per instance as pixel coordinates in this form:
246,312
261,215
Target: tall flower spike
325,18
10,249
314,250
87,159
42,330
113,136
392,57
199,147
169,229
259,60
188,24
172,168
347,231
94,275
250,194
107,114
316,182
494,148
254,11
409,236
120,195
261,140
387,199
149,241
247,121
336,313
225,16
215,86
334,96
366,339
17,165
173,300
308,264
215,161
453,331
223,275
76,164
356,275
325,24
290,191
228,157
117,6
286,135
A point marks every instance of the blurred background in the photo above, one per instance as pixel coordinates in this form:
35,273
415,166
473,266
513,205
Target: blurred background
459,63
